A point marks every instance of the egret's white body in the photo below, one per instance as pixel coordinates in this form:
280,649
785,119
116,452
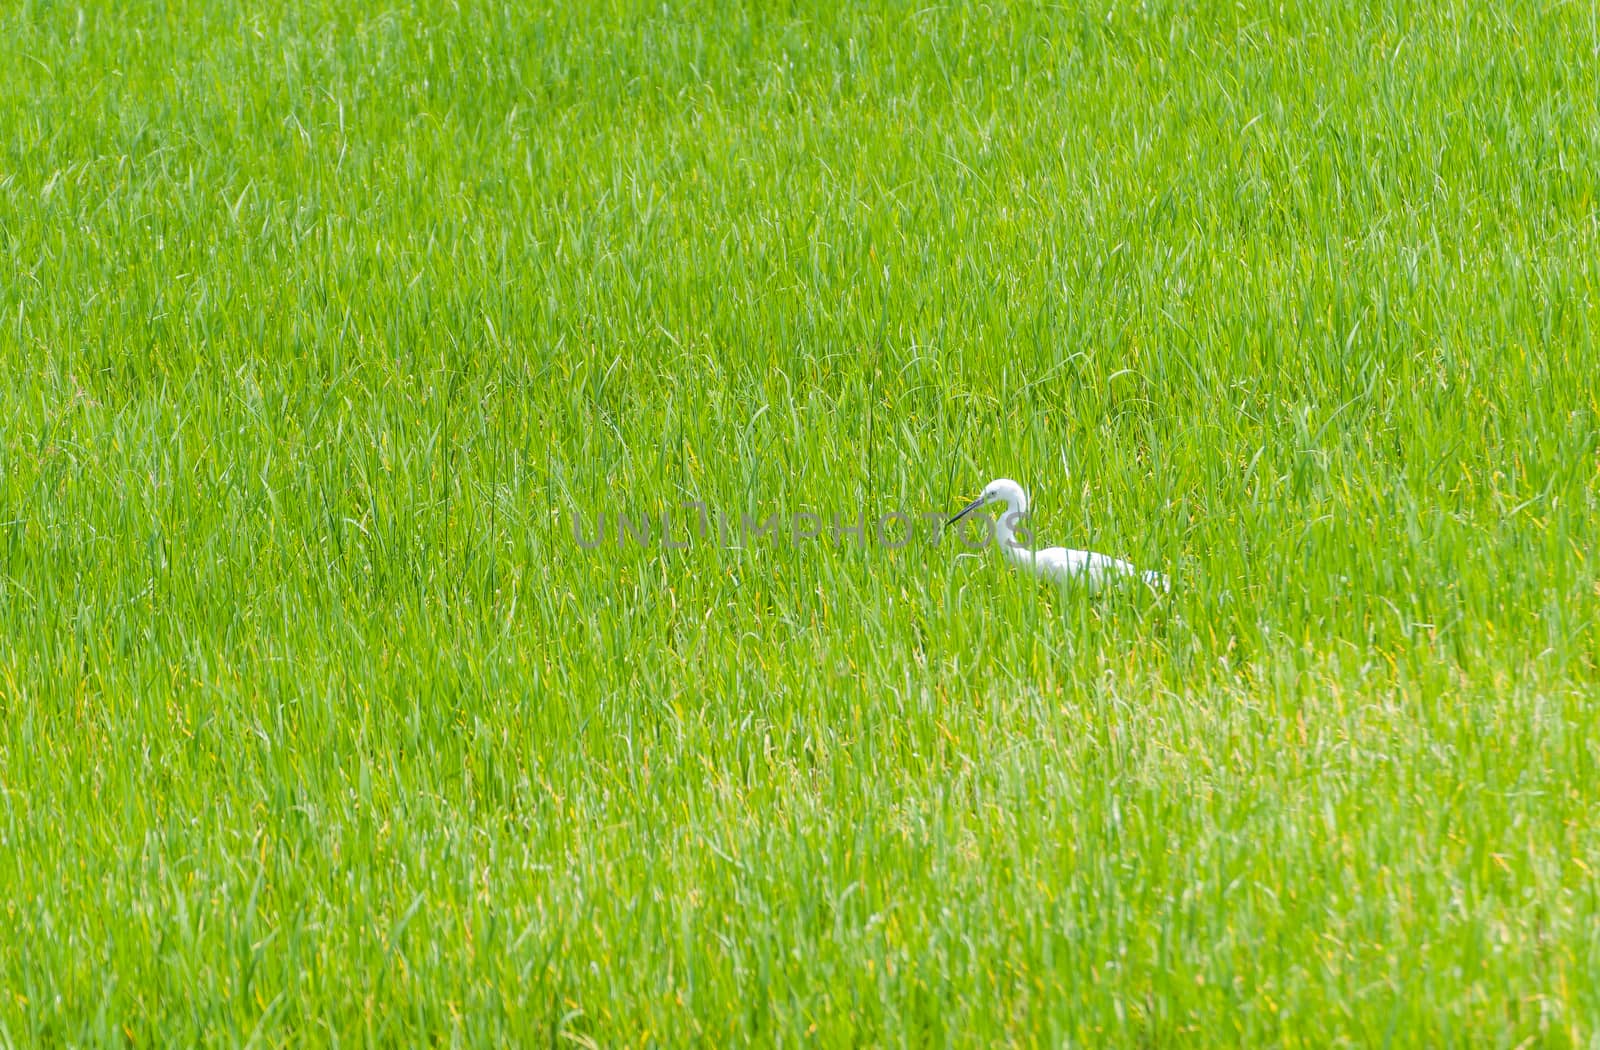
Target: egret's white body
1055,563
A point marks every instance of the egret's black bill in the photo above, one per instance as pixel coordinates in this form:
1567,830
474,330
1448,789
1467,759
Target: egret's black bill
968,509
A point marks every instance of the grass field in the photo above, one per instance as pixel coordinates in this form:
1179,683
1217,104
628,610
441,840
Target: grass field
326,331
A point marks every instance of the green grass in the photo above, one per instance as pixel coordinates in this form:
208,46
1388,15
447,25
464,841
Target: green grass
318,324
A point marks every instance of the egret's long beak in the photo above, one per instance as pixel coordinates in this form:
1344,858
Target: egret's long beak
968,509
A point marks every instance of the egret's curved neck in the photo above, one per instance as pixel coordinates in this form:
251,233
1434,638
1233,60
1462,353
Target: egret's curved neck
1005,527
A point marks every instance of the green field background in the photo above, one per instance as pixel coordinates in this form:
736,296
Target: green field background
320,322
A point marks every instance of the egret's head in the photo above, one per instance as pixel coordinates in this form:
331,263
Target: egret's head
1000,490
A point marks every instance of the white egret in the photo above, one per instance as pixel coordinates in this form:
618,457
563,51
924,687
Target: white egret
1055,563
